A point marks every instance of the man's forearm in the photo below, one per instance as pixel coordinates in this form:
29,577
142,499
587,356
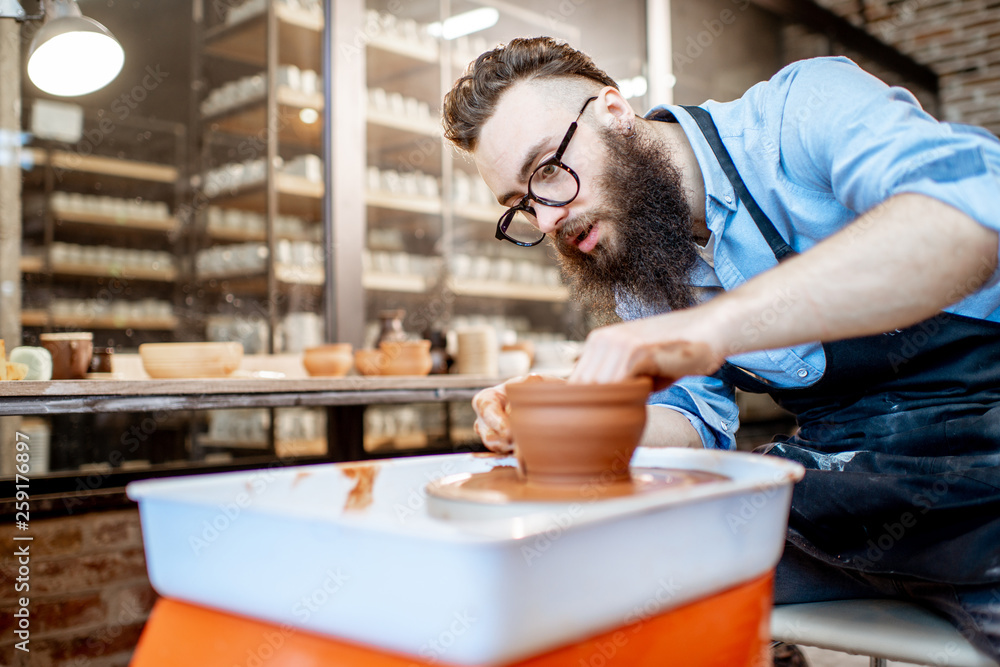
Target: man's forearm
899,264
668,428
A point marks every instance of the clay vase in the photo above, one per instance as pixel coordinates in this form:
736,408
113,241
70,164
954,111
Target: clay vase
333,360
412,357
577,433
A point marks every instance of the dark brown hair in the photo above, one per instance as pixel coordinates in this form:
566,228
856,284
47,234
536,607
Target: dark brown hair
473,98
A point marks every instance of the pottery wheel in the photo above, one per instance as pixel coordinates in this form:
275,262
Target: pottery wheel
503,486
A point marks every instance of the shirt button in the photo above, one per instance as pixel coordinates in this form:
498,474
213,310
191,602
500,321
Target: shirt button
725,427
802,372
729,200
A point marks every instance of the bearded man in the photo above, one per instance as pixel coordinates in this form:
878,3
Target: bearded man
822,239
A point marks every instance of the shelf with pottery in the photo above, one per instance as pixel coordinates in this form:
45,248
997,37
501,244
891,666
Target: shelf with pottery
34,264
296,195
478,212
100,165
257,284
403,202
227,235
426,51
300,38
497,289
248,118
394,282
165,225
34,317
41,318
381,122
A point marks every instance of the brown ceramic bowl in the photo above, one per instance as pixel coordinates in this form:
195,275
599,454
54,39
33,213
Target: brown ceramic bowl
406,358
572,433
333,360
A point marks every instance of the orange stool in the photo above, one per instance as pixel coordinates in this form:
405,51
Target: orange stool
730,629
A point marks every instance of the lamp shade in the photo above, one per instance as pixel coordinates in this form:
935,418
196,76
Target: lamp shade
73,55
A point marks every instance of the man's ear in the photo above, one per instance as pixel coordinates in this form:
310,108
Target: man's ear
614,111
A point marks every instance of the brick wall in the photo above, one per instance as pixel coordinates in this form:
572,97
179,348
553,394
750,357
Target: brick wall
958,39
89,594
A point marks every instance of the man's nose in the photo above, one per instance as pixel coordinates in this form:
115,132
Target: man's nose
550,218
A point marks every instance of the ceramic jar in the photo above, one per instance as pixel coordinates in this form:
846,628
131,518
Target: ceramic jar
333,360
577,433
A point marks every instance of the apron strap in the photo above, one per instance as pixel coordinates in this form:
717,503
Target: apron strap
778,246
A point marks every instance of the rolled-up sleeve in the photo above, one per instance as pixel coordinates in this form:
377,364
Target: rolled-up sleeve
709,404
846,132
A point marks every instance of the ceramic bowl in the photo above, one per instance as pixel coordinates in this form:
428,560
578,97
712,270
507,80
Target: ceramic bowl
412,357
577,433
333,360
190,360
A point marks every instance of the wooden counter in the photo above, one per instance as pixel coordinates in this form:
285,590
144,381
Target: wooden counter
78,396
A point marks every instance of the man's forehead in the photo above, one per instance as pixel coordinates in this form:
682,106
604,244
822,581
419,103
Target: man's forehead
526,114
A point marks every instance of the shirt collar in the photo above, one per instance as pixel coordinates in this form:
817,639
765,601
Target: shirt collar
719,191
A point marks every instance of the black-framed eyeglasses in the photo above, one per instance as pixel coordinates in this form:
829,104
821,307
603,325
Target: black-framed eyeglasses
552,183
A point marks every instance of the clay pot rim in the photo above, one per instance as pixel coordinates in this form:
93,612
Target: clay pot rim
549,391
330,347
405,344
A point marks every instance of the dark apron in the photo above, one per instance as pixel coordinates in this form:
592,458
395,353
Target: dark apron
900,439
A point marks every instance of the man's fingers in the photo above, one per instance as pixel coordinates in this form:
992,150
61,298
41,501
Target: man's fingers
674,360
493,440
492,422
491,407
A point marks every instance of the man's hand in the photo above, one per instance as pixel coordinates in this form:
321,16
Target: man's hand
493,417
620,351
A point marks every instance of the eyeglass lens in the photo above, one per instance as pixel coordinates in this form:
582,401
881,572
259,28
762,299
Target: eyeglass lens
521,226
552,184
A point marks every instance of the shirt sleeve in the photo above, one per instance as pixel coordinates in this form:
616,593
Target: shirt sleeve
709,404
844,131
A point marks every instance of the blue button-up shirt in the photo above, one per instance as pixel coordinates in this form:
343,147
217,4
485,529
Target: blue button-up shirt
817,145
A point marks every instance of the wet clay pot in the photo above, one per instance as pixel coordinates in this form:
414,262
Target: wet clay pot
333,360
572,433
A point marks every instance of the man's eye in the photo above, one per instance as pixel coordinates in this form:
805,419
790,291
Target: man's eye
547,171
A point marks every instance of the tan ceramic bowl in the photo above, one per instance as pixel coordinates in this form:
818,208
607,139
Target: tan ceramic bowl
577,433
190,360
406,358
333,360
411,357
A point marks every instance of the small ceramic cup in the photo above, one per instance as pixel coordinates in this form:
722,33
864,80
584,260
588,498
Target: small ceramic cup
71,353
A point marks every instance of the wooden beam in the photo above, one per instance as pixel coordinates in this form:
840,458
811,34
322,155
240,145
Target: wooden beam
841,30
10,182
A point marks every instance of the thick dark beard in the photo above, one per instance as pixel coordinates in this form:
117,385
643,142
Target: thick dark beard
650,257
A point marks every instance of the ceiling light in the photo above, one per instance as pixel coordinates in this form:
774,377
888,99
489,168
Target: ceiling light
72,54
308,115
465,23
